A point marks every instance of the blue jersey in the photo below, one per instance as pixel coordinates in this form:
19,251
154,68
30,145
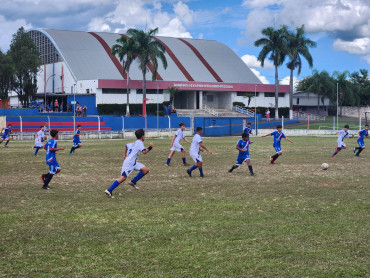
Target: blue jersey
363,133
50,154
7,131
75,137
277,137
248,130
244,145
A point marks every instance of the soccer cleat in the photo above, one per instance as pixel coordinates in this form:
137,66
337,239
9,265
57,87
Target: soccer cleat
43,179
202,176
109,193
230,170
357,155
189,173
333,155
186,164
46,187
354,149
6,146
70,153
167,164
133,184
272,160
252,174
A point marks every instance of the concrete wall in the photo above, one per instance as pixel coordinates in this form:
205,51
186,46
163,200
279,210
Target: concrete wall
308,100
355,112
261,100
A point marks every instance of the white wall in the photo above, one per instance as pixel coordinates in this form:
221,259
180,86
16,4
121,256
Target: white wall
262,101
134,98
308,100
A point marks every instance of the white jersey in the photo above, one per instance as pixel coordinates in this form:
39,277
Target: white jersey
195,145
40,136
133,151
342,134
179,135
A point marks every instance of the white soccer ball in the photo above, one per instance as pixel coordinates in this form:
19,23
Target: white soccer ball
325,166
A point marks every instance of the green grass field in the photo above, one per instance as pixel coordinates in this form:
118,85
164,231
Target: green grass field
291,220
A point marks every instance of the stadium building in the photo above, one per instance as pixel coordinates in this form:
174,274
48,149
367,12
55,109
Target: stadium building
206,72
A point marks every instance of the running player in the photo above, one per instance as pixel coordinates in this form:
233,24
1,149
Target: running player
243,147
176,146
248,129
51,160
361,135
132,151
343,133
195,148
278,135
76,140
39,138
6,132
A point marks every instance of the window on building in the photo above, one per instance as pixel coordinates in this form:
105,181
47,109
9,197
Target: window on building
298,101
149,91
87,91
114,91
273,94
242,94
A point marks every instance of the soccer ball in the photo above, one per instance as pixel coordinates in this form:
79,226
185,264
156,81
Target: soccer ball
325,166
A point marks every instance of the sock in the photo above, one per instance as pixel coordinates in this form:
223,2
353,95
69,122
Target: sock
250,169
184,160
192,168
274,157
233,167
201,171
359,150
168,161
138,177
36,151
48,179
335,153
6,142
113,186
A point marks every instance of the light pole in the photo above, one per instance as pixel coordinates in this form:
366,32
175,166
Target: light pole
337,105
255,107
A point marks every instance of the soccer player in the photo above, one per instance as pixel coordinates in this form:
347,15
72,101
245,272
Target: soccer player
343,133
278,135
243,147
40,137
195,148
5,137
361,135
176,146
76,140
248,129
132,151
51,160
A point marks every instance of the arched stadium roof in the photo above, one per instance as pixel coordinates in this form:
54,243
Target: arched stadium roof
87,55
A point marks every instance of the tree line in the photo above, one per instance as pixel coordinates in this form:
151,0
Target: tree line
19,67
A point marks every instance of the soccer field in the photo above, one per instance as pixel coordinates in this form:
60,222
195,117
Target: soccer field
291,219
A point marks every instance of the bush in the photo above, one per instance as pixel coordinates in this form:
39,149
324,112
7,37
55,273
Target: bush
238,103
120,109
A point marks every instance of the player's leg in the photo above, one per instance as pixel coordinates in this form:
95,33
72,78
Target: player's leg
142,171
337,149
248,161
170,157
53,169
275,156
236,165
361,147
183,153
200,168
7,141
116,183
196,159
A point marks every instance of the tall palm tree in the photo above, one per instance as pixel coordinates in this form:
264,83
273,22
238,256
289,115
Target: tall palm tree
297,45
320,83
274,44
148,51
126,51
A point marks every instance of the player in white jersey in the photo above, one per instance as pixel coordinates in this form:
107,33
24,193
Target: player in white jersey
176,146
196,147
39,138
130,164
342,134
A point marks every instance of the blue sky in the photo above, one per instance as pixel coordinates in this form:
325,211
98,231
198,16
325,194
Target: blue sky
341,28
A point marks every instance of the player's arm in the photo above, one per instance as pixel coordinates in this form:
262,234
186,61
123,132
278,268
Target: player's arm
151,145
269,134
205,148
125,153
286,138
57,149
240,149
173,140
37,136
186,140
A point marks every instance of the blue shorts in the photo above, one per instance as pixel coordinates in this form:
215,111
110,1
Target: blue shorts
76,142
4,137
240,160
53,166
361,142
277,148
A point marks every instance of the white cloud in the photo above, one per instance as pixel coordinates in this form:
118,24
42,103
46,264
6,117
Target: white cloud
262,78
8,28
286,81
252,62
357,46
367,58
98,25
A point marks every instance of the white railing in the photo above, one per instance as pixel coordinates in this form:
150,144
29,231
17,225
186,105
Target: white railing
210,110
304,115
243,110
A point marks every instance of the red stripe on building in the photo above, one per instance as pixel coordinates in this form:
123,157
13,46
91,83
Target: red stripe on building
149,65
201,58
108,50
177,62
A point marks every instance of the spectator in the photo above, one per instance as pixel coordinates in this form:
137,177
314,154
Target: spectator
61,107
84,111
56,105
51,106
268,114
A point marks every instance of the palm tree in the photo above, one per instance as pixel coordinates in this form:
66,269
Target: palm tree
320,83
274,43
249,96
297,45
172,91
126,51
345,88
148,51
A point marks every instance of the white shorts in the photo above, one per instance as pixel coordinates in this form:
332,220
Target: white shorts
127,170
341,145
196,157
177,147
38,143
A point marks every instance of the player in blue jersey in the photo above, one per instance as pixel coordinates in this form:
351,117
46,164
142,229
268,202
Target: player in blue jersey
248,129
362,134
340,144
130,164
6,132
176,146
76,140
278,135
196,147
51,159
39,138
243,147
